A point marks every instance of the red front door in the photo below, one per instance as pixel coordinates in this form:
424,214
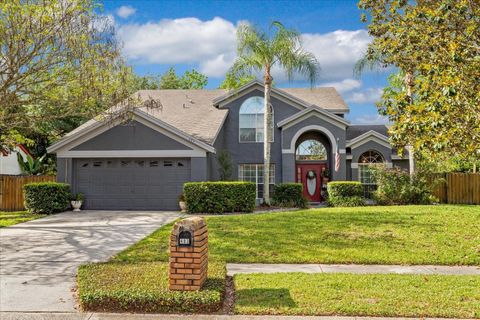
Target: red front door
310,176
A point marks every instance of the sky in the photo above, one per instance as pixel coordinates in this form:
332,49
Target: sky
157,35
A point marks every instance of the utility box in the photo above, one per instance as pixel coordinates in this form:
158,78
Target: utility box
188,254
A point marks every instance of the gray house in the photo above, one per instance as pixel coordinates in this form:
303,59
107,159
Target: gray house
141,164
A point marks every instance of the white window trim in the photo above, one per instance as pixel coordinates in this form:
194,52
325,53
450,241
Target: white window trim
273,125
256,175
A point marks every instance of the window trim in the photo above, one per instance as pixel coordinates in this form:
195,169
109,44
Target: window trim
272,176
273,123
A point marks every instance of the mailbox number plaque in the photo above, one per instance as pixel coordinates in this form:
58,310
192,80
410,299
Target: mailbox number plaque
185,239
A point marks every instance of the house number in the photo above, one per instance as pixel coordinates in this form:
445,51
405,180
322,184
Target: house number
185,239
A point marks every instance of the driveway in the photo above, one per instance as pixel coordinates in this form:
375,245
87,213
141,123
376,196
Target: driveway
39,259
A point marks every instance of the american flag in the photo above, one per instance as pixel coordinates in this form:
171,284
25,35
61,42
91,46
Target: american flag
337,159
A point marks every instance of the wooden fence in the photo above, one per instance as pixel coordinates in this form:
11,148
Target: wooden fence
460,188
11,190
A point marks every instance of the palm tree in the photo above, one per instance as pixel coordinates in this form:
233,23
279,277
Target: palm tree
259,51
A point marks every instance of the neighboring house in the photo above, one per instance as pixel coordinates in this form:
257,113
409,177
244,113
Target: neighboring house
142,164
9,160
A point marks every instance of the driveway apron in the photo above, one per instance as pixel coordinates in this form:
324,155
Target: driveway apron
39,259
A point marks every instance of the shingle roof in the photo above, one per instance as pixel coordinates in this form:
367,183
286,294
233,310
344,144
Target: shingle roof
354,131
193,112
324,97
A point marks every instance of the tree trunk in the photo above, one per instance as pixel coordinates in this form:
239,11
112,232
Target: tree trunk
267,124
409,83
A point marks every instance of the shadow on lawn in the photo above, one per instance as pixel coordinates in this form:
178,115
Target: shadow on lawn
265,298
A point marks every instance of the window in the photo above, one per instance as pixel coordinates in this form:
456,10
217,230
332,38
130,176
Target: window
97,163
368,160
311,150
254,173
168,163
251,120
153,163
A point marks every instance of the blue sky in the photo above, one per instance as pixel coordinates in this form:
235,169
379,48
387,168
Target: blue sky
201,35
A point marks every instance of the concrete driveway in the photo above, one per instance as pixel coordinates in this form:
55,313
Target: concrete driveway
39,259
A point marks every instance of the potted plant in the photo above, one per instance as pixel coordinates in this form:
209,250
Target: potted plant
182,203
77,202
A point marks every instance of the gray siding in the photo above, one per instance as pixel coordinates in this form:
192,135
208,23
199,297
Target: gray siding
253,152
367,146
134,136
339,133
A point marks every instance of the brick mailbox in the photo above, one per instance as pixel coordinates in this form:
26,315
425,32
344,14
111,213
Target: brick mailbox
188,254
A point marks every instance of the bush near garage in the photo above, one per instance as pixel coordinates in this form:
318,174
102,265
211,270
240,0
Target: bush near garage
345,194
143,287
289,195
46,197
219,197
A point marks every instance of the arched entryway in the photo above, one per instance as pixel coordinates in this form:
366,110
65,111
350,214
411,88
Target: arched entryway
312,164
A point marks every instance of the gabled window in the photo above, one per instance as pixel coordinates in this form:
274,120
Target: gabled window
367,161
251,120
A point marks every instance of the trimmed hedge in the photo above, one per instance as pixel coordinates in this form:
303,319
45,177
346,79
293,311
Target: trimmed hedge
345,194
46,197
143,287
219,197
289,195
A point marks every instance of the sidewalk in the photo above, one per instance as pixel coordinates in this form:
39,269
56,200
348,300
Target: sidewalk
124,316
235,268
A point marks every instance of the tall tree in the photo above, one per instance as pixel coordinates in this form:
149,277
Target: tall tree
260,51
58,60
233,82
190,80
436,46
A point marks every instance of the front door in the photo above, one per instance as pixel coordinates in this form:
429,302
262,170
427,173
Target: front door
310,176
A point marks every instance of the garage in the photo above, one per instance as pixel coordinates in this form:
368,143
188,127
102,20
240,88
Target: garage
131,184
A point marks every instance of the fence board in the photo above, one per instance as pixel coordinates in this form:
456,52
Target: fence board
458,188
11,190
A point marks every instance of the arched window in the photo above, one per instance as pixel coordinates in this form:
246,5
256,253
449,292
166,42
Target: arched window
366,161
311,150
251,120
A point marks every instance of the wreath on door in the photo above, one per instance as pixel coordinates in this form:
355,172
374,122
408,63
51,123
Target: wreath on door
311,175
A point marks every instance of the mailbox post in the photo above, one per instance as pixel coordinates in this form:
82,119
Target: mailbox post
188,254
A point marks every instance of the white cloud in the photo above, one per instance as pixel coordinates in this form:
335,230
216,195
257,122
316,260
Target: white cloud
337,51
210,44
344,86
371,119
370,95
126,11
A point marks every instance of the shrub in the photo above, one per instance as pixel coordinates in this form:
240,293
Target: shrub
219,197
345,194
143,287
46,197
289,195
397,187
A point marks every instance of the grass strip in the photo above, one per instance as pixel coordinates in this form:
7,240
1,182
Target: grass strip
143,287
385,295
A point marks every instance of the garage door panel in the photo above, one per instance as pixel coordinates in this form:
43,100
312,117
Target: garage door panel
131,184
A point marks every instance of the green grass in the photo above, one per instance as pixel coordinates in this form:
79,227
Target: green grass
444,235
143,287
358,295
11,218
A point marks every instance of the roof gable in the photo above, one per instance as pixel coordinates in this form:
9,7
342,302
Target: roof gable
317,112
94,128
367,137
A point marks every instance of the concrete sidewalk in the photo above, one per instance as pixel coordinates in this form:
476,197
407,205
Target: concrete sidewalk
124,316
236,268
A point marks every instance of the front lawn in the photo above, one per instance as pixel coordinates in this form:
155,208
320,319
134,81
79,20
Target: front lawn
11,218
444,235
388,295
143,287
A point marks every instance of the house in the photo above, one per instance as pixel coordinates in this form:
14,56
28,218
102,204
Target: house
9,160
142,164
